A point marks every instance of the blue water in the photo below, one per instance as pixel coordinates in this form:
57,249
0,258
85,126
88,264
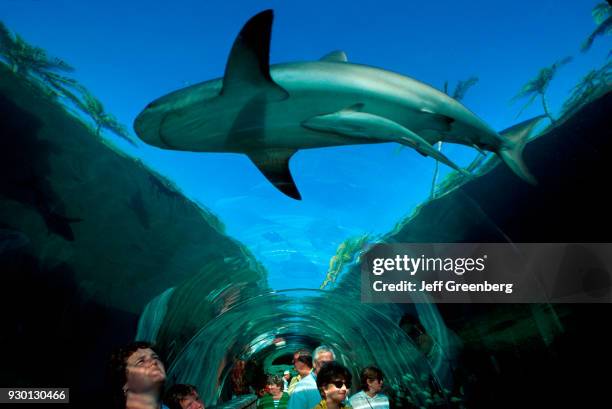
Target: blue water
129,53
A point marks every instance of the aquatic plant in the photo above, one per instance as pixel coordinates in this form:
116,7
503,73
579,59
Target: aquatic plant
450,182
602,14
24,58
345,253
538,85
460,90
480,165
595,83
38,67
93,107
462,87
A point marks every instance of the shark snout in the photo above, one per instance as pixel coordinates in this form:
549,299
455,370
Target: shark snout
147,125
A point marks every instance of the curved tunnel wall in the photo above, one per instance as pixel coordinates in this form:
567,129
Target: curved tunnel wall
360,334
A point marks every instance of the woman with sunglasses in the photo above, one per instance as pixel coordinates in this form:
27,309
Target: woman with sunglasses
334,382
370,397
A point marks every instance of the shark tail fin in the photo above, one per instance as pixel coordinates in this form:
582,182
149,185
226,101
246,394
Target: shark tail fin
512,152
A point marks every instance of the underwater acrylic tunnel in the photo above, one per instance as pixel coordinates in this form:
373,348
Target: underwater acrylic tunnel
270,327
103,242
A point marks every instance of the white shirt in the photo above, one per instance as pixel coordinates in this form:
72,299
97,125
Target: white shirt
362,401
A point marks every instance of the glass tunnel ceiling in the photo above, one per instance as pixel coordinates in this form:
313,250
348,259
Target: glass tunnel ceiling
360,334
226,312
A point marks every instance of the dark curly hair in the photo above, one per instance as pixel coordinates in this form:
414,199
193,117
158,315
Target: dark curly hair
331,371
117,369
177,393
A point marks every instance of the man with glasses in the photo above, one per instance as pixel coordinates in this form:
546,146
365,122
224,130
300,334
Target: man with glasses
306,394
333,382
370,397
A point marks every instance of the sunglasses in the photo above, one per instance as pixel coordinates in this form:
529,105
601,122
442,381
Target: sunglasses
338,384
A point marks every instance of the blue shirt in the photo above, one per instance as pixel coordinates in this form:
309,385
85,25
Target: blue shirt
306,394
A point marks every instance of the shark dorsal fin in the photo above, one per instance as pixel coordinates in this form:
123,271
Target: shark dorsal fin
274,164
248,67
335,56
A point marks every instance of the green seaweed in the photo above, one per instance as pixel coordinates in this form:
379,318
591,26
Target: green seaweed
602,14
44,71
595,83
93,107
26,59
345,254
460,90
463,86
538,85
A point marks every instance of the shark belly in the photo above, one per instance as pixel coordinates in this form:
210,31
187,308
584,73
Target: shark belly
242,123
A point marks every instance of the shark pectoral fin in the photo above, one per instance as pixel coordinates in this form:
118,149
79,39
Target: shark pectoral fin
335,56
409,138
248,66
274,164
349,121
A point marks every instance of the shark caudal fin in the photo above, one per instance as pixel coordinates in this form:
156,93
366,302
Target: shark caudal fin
512,153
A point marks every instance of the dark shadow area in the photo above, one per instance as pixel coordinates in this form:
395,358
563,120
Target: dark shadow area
52,334
24,168
510,358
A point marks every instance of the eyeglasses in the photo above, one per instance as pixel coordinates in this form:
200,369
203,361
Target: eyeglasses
338,384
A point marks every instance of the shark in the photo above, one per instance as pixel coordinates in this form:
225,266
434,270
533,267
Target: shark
269,112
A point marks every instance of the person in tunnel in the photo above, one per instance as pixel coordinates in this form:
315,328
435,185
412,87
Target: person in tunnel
370,396
275,398
306,394
183,396
137,377
239,386
286,379
255,377
302,363
333,383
